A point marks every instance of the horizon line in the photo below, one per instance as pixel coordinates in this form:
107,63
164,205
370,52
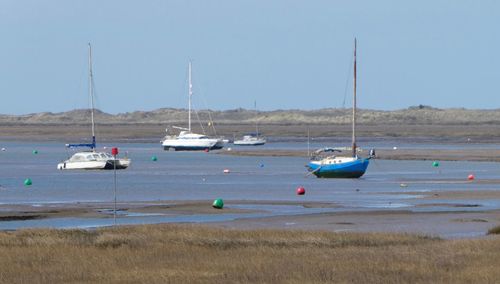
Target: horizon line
413,107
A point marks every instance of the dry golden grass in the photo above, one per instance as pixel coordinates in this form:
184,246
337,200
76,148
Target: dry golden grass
196,254
494,231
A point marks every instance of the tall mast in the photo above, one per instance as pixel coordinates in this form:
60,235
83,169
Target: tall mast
91,95
189,96
308,143
354,107
256,121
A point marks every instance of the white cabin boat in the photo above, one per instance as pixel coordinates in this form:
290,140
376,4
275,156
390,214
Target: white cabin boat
92,160
187,140
250,140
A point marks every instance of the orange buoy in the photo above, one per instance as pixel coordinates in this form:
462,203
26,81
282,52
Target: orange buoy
301,190
226,171
471,177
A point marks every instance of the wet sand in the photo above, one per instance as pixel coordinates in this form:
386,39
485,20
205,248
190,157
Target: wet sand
457,195
103,210
455,223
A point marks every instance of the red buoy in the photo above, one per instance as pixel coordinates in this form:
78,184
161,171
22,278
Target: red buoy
301,190
471,177
206,150
114,151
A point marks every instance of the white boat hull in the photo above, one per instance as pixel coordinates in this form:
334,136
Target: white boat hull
187,141
93,161
87,165
122,163
94,165
189,145
250,142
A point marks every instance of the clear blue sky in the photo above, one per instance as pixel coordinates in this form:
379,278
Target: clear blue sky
284,54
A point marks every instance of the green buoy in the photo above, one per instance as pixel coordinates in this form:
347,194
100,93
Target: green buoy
154,159
28,182
35,152
218,203
435,164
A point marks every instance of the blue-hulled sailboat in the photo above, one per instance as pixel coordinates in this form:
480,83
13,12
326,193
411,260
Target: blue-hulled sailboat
325,164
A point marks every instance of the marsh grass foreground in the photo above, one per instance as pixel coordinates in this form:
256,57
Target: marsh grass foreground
199,254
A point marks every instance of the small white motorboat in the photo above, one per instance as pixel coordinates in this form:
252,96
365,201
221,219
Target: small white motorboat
250,140
93,161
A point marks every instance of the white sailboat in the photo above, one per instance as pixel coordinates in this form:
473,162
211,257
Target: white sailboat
92,160
186,140
252,139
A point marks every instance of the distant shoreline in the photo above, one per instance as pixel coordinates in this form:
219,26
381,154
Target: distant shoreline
476,155
154,132
339,135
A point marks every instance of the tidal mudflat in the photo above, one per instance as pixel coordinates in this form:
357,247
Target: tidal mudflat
259,192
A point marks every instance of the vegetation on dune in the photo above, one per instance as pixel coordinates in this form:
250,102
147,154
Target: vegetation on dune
416,124
336,116
197,254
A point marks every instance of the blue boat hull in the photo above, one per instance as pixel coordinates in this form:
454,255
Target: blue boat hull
354,169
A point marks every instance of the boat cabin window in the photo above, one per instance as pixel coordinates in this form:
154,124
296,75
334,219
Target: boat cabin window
77,158
105,156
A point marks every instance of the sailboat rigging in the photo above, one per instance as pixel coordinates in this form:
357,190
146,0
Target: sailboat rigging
252,139
325,164
187,140
92,160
